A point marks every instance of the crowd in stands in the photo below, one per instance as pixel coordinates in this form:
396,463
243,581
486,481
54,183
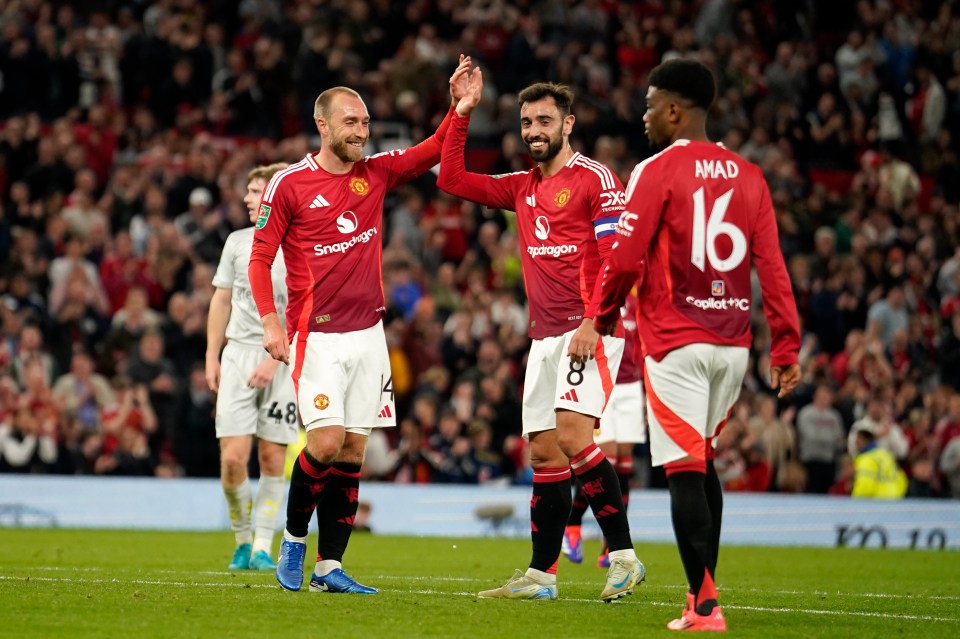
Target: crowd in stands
128,128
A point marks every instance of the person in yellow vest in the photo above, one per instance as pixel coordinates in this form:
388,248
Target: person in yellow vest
877,474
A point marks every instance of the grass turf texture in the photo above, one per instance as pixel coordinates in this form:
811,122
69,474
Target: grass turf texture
84,583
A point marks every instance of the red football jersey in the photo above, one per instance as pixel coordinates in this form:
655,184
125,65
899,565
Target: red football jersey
330,227
700,215
631,364
566,224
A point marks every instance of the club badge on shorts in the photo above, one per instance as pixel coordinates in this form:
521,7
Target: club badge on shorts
321,401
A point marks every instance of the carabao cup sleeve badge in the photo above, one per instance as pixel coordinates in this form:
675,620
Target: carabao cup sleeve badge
264,216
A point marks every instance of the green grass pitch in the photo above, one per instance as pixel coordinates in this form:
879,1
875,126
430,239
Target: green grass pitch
87,583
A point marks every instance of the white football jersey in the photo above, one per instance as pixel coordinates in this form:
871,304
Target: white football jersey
244,326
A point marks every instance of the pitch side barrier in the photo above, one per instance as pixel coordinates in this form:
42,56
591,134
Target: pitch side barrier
473,511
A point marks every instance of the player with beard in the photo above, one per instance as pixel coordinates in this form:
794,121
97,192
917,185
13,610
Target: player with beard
567,207
326,211
697,216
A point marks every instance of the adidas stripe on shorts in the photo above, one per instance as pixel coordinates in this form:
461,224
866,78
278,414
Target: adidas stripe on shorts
344,379
553,381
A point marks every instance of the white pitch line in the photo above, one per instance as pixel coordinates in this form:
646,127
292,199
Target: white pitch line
636,601
646,586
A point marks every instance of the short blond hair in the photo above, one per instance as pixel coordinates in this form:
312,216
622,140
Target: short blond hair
265,172
321,108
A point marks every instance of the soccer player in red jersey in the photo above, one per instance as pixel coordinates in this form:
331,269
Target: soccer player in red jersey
326,212
567,207
696,217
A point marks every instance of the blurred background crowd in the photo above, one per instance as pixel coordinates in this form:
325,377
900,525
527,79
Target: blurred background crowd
128,129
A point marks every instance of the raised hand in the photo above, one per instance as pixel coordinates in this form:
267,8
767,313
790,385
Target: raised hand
459,79
474,91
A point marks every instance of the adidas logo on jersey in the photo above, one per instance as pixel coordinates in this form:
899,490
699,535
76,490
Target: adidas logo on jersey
385,413
319,202
570,395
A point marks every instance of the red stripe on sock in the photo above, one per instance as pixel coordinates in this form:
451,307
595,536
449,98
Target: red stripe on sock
580,466
548,475
624,466
309,468
552,570
692,466
707,589
337,471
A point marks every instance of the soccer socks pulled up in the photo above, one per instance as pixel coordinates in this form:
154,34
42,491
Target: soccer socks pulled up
549,510
307,482
337,509
714,492
266,507
602,490
693,527
579,505
238,508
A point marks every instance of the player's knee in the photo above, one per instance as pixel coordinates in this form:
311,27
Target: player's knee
272,460
571,442
324,450
233,463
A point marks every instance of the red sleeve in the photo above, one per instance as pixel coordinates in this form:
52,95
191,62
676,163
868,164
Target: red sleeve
405,164
272,223
635,231
607,205
778,302
487,190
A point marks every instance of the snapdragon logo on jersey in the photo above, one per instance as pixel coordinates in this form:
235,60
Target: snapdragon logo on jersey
542,231
346,224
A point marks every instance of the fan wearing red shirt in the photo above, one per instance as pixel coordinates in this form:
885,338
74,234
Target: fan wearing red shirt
326,212
697,215
567,207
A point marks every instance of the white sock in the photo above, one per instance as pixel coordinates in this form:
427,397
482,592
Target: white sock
266,507
541,577
289,537
626,553
326,566
238,507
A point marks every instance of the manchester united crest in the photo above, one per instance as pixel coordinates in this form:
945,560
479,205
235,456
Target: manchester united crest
359,186
562,197
321,401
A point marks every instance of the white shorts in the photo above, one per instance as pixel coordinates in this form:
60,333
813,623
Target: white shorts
344,379
553,381
690,393
623,421
269,413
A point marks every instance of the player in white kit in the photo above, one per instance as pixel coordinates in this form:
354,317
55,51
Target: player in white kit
255,394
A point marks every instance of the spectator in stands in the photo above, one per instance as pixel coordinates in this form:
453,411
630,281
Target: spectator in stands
83,393
820,440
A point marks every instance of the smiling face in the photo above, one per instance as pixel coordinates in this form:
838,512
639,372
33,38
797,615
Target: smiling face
252,198
347,128
544,129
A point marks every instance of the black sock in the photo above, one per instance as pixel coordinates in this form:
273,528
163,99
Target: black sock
579,505
693,527
602,489
549,510
337,510
307,482
714,494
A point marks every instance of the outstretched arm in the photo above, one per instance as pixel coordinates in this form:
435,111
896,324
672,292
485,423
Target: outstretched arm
404,165
454,178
